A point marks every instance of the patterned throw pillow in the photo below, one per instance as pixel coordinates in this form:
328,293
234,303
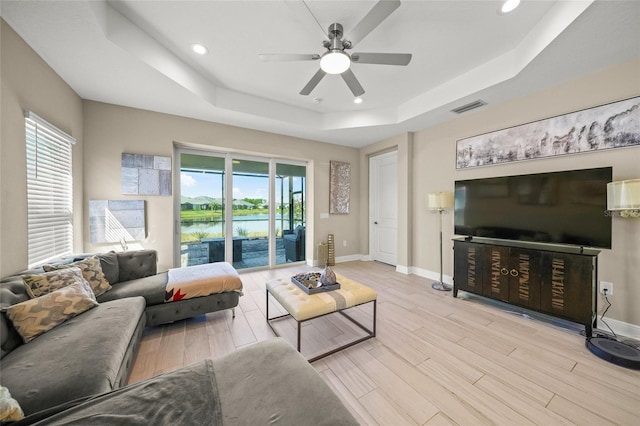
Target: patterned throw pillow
91,271
10,410
33,317
41,284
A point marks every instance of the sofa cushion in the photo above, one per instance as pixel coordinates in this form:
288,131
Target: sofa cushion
137,264
91,271
41,284
33,317
110,266
151,288
12,291
83,356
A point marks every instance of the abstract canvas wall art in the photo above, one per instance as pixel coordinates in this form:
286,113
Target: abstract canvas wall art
614,125
112,221
146,174
339,187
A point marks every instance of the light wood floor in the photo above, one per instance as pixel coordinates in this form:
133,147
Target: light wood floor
436,360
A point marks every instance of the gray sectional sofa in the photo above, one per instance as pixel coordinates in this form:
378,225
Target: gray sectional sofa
93,352
265,383
77,371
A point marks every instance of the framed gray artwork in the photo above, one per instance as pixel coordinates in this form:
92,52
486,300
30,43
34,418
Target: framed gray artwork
146,174
339,187
112,221
614,125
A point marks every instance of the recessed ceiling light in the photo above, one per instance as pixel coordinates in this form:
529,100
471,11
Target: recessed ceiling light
199,49
509,5
357,101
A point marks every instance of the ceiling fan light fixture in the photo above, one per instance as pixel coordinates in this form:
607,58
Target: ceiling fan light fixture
335,62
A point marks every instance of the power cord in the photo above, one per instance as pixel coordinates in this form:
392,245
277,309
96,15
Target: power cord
604,292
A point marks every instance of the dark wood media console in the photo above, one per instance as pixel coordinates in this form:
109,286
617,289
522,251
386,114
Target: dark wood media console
555,281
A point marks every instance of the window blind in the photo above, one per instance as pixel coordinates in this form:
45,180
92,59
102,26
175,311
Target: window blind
49,190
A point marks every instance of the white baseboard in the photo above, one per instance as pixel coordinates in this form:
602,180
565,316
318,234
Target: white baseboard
367,258
619,327
403,269
349,258
341,259
425,273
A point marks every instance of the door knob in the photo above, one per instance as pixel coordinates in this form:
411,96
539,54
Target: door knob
375,223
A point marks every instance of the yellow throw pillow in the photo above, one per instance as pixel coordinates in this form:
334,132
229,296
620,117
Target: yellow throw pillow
33,317
40,284
91,271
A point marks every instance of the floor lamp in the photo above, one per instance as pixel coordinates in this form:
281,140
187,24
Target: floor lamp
440,202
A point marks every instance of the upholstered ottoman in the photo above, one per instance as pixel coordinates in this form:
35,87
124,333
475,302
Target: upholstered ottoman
304,307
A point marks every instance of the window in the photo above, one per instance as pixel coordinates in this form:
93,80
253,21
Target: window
49,190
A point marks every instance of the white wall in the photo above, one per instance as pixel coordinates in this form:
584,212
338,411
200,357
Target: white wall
434,169
29,83
110,130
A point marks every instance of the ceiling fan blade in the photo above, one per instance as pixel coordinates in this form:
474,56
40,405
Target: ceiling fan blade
376,15
273,57
382,58
352,82
313,82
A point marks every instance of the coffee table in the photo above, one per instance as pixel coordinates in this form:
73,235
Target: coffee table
304,307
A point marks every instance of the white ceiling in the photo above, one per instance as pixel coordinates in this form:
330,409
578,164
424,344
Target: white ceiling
137,54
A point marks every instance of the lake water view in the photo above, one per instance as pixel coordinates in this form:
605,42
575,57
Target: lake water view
258,223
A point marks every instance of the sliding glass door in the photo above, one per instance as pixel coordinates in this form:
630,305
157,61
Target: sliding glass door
250,213
290,210
202,209
226,213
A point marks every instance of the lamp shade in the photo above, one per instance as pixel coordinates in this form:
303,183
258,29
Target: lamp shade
440,200
623,195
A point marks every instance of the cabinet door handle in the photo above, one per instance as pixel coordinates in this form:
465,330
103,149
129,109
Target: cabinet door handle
504,271
514,273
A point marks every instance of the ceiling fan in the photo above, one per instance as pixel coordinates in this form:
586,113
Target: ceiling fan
337,61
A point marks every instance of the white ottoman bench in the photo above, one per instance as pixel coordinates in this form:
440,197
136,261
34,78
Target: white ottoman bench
304,307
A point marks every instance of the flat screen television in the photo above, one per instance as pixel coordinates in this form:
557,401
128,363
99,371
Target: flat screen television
567,207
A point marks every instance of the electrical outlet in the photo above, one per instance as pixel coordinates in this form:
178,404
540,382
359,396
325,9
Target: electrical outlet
344,243
606,286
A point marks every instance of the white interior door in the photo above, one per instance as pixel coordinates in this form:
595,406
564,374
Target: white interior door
383,209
